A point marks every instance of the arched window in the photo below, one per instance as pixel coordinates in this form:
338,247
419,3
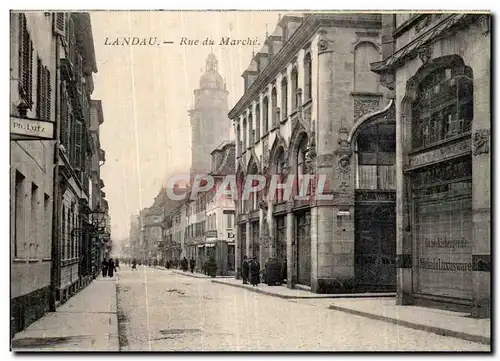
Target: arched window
274,105
245,144
443,107
257,122
376,151
265,114
307,77
238,139
284,99
295,86
253,197
280,165
301,165
251,133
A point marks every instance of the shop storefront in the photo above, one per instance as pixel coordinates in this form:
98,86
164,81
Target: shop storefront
280,239
255,245
442,209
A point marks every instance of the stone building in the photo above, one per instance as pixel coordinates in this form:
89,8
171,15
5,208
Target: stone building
97,196
33,84
77,64
304,91
220,243
210,125
438,68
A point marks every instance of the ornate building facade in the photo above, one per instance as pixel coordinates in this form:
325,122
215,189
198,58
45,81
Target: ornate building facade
210,125
438,67
305,90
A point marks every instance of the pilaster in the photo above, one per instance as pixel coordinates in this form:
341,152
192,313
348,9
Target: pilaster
290,246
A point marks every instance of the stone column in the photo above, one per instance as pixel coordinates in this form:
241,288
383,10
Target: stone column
290,247
322,217
271,228
262,239
237,251
481,175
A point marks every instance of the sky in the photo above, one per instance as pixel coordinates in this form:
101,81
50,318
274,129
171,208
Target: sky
146,92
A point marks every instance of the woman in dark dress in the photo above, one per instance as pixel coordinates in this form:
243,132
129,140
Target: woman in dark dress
104,267
245,270
111,267
254,272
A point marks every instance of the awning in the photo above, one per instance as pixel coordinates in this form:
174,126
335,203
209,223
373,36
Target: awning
210,245
231,244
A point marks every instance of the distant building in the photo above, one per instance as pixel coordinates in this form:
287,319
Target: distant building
210,125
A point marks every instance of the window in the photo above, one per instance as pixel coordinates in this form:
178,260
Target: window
229,220
244,134
43,95
257,122
284,99
376,157
254,195
295,89
443,107
280,165
238,135
19,216
251,133
308,77
25,62
302,166
34,222
274,106
265,114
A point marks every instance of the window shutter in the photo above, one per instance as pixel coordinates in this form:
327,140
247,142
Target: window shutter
29,74
39,89
60,24
48,95
64,133
78,144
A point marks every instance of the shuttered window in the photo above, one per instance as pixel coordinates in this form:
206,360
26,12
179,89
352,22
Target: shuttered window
78,137
64,118
25,62
43,96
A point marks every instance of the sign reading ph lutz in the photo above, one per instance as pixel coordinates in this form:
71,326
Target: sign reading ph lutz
31,129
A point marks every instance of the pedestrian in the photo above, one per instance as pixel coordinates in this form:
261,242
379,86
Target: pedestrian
117,263
192,264
254,272
111,267
104,267
134,264
184,264
245,270
176,263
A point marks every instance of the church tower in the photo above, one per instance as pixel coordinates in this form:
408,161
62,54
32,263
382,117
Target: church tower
210,125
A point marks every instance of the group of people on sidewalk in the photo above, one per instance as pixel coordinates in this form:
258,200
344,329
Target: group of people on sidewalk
108,267
184,264
250,270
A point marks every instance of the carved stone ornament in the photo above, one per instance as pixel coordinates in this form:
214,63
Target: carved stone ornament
322,44
425,54
286,167
481,141
343,170
311,153
263,204
388,79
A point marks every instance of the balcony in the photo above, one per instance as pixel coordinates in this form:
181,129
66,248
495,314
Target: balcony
102,155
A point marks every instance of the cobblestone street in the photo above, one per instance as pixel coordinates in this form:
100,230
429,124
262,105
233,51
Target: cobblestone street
159,310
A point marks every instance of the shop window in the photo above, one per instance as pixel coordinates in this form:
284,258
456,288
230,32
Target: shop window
443,107
376,150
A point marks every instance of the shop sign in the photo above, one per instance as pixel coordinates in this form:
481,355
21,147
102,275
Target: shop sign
211,234
444,241
31,129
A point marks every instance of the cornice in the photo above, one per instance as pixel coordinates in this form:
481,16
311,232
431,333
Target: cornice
299,38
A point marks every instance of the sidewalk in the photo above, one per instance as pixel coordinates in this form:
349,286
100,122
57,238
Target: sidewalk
198,275
287,293
86,322
441,322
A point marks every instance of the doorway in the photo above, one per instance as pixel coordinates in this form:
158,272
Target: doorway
303,237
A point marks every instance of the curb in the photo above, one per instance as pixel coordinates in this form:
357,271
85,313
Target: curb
416,326
120,320
286,297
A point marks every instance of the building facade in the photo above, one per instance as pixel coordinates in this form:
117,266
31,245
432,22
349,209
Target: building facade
305,90
439,68
219,235
33,84
210,125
